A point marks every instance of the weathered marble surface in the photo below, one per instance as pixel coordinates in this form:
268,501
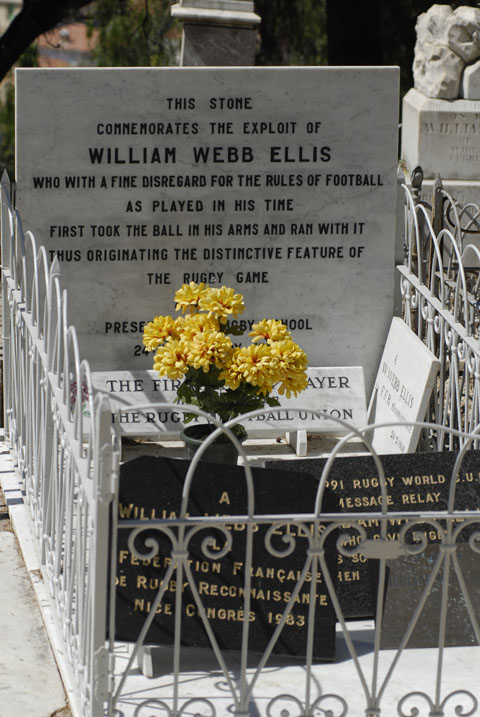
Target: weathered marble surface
213,45
447,41
226,5
441,136
298,172
471,82
464,192
217,32
337,391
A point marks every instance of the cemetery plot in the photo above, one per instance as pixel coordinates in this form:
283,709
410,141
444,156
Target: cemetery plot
151,488
337,391
415,482
280,182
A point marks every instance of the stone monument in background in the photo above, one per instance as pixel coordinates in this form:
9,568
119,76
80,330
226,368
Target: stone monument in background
441,115
217,32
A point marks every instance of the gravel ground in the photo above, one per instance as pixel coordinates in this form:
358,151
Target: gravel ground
26,661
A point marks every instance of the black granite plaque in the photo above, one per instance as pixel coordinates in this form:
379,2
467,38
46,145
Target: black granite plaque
407,579
415,482
151,488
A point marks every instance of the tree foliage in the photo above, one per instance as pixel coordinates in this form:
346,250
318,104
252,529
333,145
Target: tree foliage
134,33
292,32
376,32
35,18
7,131
7,114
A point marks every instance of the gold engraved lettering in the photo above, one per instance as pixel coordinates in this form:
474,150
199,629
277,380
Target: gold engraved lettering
374,482
364,501
417,499
164,561
227,614
265,594
237,568
298,531
224,498
348,576
145,583
141,605
135,512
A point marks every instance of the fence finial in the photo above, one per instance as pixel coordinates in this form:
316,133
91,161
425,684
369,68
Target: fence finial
416,179
437,205
55,267
438,185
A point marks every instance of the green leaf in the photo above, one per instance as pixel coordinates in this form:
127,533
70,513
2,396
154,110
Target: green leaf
272,401
232,330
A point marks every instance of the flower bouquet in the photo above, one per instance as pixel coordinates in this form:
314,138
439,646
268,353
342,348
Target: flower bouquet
221,379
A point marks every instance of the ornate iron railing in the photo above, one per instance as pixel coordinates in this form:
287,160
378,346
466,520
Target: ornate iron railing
68,458
440,285
64,470
316,691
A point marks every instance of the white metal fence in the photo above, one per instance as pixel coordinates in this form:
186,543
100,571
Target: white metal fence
71,478
66,476
440,287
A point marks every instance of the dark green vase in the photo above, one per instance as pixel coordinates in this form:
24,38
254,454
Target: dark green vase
222,450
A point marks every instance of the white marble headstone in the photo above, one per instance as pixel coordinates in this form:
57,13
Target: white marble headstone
280,182
402,389
338,392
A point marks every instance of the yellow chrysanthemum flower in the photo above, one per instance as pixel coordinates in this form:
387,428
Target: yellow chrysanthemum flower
253,364
180,323
158,331
270,330
170,360
222,303
293,384
193,324
207,348
289,354
292,363
188,296
194,345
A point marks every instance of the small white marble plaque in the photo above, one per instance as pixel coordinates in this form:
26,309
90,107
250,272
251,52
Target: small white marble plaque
402,389
339,392
279,182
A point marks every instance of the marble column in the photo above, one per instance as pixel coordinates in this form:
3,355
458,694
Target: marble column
217,32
